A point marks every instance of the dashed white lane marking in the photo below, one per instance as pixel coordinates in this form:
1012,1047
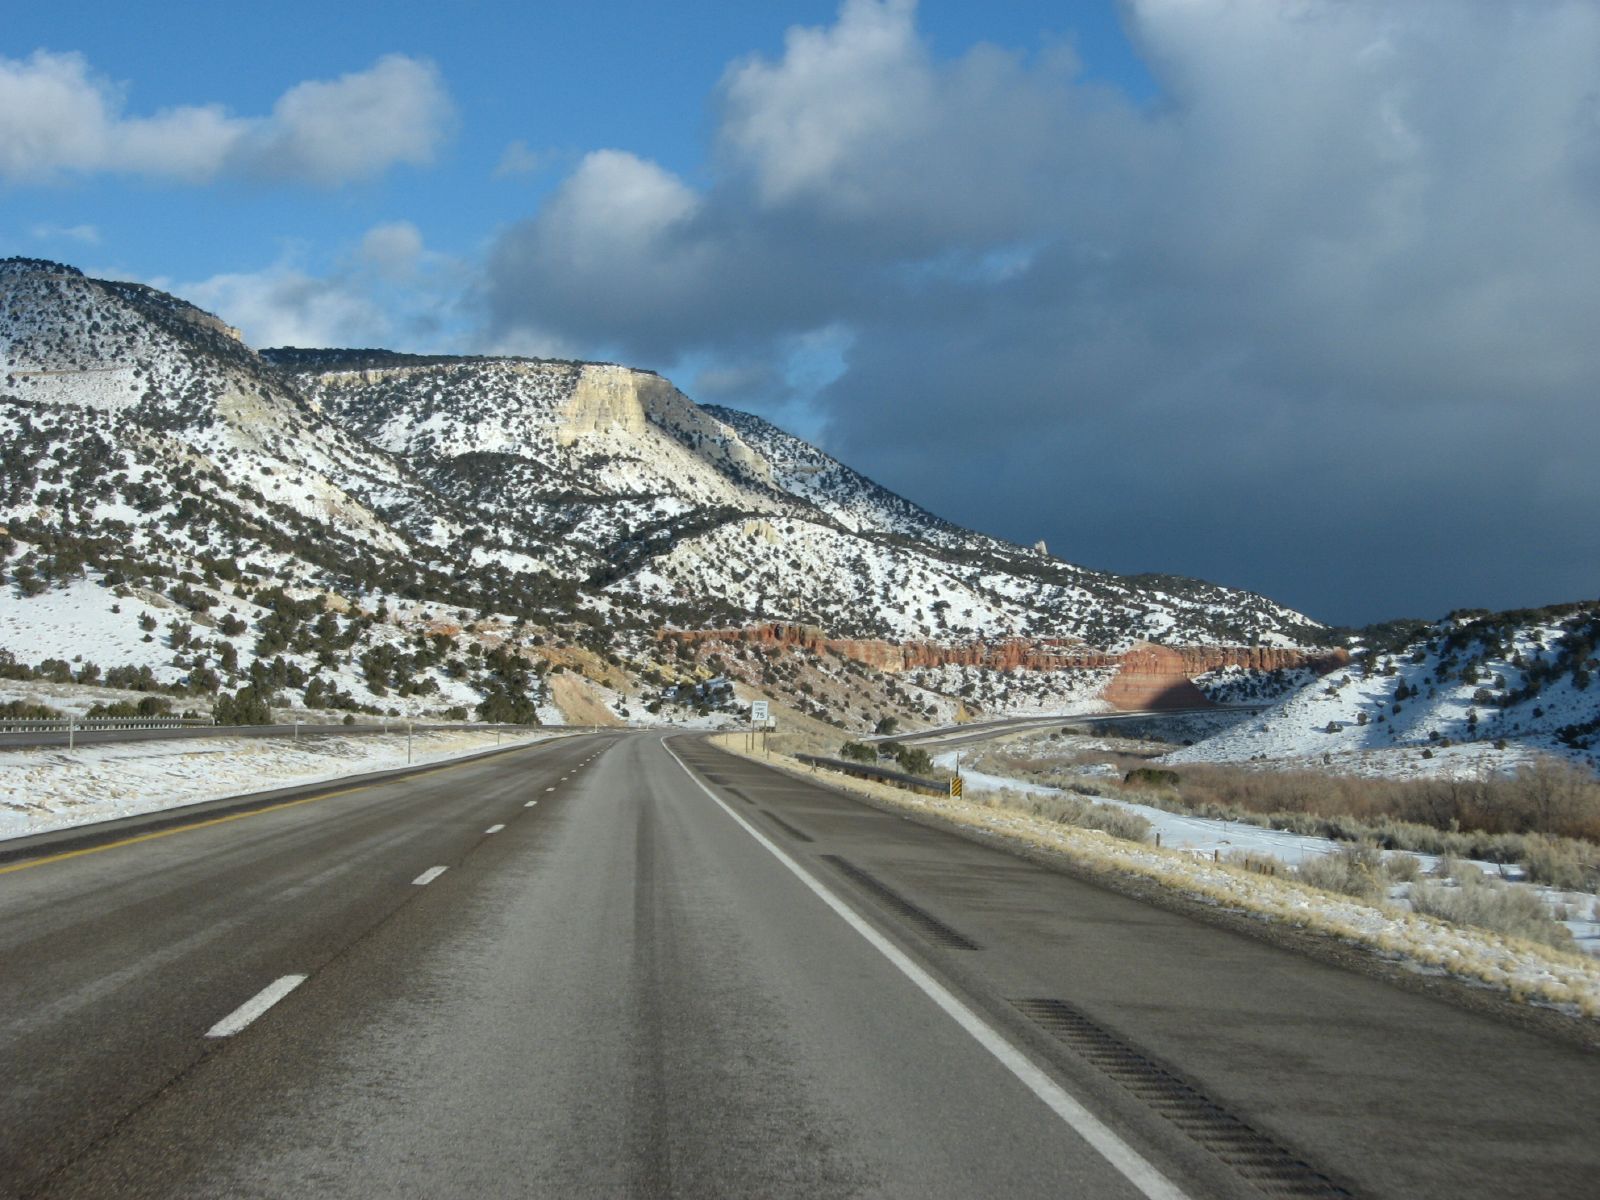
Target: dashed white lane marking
549,789
494,829
429,876
530,804
1127,1161
255,1006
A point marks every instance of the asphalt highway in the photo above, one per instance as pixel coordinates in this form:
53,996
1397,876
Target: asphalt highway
614,966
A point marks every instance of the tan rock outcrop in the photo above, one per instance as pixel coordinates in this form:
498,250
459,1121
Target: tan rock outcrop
606,399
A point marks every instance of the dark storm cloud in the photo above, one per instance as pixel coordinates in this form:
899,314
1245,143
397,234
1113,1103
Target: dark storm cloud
1321,324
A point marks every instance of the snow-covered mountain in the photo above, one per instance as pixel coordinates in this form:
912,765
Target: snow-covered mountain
705,515
1473,690
363,527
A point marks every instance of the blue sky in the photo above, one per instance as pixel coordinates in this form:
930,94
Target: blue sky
1295,297
559,79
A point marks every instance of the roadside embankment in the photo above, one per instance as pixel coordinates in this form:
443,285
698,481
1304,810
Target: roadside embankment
54,788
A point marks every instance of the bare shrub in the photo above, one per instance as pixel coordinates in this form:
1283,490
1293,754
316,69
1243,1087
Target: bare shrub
1543,818
1549,796
1562,863
1402,868
1556,797
1489,904
1350,871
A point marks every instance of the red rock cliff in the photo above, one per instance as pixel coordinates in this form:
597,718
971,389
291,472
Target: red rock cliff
1148,676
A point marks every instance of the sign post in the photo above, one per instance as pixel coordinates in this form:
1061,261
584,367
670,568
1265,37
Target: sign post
758,716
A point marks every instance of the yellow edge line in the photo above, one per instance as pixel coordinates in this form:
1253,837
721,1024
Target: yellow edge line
161,833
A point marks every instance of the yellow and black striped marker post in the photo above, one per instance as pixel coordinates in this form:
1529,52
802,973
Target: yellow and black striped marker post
955,788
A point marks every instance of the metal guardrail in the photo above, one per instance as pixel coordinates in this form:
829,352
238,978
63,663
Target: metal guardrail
916,783
68,731
72,726
63,724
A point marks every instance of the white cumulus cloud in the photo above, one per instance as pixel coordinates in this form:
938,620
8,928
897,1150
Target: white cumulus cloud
285,306
1331,290
353,127
58,118
388,289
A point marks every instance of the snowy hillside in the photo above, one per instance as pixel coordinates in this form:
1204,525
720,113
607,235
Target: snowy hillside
365,530
852,500
1473,692
702,515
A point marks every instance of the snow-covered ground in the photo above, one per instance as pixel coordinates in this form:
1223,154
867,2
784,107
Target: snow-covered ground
83,622
1178,831
49,788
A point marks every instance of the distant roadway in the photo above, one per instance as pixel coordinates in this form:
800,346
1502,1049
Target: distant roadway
984,731
629,965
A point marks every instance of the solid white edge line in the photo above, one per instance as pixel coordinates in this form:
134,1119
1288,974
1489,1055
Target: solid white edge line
429,876
494,829
255,1006
1127,1161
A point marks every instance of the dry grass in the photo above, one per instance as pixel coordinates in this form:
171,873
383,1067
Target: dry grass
1070,810
578,701
1489,904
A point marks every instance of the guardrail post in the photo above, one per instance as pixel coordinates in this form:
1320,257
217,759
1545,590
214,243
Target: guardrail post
408,743
69,734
